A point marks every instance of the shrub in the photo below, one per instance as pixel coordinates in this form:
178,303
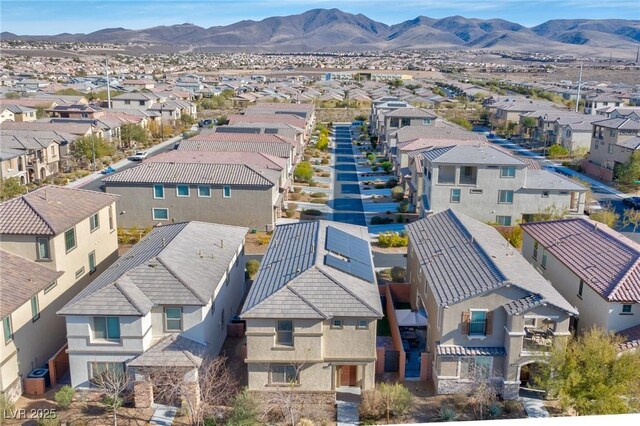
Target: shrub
379,186
303,171
297,189
312,212
6,405
244,410
403,207
398,274
386,166
495,410
556,151
295,196
393,239
397,193
378,220
324,161
374,168
318,201
49,419
263,239
391,183
400,219
371,156
447,413
319,195
64,397
511,406
252,267
397,399
371,405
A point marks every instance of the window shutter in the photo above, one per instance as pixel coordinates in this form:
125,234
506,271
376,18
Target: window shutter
465,322
489,323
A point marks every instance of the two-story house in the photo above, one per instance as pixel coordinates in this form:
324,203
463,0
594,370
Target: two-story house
73,234
593,103
136,100
30,156
612,142
311,312
403,117
10,112
594,267
169,298
490,313
232,193
491,185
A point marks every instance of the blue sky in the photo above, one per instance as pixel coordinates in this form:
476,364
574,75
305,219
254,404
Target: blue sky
57,16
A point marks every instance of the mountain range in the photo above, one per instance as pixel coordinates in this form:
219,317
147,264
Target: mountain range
333,30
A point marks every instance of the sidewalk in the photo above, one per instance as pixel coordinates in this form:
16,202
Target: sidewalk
93,176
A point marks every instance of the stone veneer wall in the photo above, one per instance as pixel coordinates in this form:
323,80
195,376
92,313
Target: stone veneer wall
454,386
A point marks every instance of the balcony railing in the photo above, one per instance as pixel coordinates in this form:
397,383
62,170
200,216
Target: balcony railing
477,328
537,341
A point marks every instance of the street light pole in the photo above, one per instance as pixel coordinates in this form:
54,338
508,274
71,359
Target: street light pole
93,151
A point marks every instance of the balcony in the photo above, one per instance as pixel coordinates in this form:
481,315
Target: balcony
536,340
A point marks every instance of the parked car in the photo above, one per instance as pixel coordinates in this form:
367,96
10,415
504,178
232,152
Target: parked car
205,122
592,206
108,170
633,202
139,156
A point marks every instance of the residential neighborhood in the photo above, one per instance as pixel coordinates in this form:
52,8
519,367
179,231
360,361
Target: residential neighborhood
195,234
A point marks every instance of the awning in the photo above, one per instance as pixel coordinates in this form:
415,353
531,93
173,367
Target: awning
409,318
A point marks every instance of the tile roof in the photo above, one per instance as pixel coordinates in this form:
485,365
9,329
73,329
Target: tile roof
519,306
278,149
475,154
604,259
294,282
181,264
411,112
462,258
631,337
294,120
72,128
453,350
191,173
20,280
173,350
619,123
243,137
257,159
545,179
50,210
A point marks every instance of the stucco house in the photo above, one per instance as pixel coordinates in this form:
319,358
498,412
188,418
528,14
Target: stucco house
612,142
166,302
311,312
489,311
594,267
72,234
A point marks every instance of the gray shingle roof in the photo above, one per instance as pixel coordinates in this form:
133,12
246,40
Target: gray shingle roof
453,350
191,173
462,258
174,264
20,280
294,282
277,149
411,112
545,179
519,306
619,123
50,210
173,350
476,154
604,259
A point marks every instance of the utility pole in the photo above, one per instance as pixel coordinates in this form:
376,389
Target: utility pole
93,151
579,85
106,66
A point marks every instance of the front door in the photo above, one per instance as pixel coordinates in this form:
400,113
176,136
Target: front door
348,375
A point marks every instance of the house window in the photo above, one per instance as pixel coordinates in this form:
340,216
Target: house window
70,239
455,195
94,222
284,333
362,325
545,194
505,197
626,309
127,102
336,323
182,190
114,369
284,374
535,250
204,191
508,172
50,287
79,272
226,192
447,174
503,220
426,121
529,322
610,149
580,287
141,103
474,368
478,323
7,328
468,175
43,249
92,262
158,192
543,262
35,308
160,214
106,328
173,319
111,218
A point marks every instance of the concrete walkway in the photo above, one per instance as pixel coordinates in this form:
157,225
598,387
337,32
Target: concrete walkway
347,401
163,415
534,407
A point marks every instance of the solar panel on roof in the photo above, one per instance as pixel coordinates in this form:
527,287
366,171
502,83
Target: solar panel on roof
356,269
394,104
271,131
225,129
347,245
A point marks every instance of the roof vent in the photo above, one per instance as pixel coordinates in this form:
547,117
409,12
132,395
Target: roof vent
164,242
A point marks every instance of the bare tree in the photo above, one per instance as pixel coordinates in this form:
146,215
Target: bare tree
112,383
631,217
216,387
284,400
483,392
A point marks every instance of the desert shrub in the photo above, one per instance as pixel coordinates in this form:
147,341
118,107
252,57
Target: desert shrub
401,219
49,419
398,274
371,156
397,193
511,406
391,183
371,405
318,201
386,166
6,405
447,413
374,168
244,411
397,399
494,410
324,161
312,212
403,207
263,239
393,239
252,267
295,196
556,151
297,189
378,220
64,397
319,195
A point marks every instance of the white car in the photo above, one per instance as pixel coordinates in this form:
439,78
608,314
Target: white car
592,206
139,156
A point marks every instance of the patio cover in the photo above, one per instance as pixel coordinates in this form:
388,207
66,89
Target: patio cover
409,318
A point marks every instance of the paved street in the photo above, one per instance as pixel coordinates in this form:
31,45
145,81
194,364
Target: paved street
346,203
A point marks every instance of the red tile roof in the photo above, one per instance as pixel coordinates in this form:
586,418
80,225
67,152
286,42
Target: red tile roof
243,137
604,259
212,157
294,120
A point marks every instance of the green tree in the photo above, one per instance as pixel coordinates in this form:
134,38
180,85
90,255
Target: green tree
303,172
556,151
529,122
10,188
631,217
462,122
12,95
589,375
40,112
607,215
131,132
397,399
323,142
69,92
187,120
83,147
630,171
252,267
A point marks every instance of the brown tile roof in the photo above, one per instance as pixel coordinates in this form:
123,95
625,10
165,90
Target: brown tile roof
243,137
20,280
294,120
226,157
277,149
50,210
72,128
604,259
631,336
284,106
